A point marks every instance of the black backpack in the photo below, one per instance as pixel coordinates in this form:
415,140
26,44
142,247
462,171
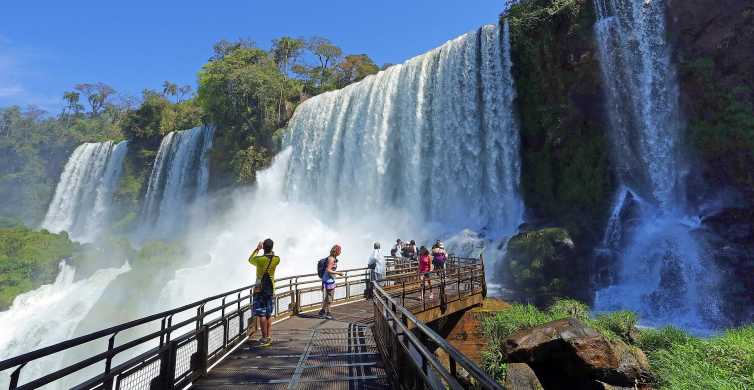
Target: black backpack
322,267
266,285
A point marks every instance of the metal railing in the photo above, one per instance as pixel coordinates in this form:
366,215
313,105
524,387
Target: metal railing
155,358
403,339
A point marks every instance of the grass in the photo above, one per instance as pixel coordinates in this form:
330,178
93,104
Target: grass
678,360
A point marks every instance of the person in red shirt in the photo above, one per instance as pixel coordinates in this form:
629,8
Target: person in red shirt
425,270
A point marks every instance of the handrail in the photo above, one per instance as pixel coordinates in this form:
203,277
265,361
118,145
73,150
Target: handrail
400,317
234,309
233,299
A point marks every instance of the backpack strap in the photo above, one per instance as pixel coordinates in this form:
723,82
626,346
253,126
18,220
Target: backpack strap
269,263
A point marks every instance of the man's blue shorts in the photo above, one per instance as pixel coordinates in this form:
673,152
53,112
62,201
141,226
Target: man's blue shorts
262,306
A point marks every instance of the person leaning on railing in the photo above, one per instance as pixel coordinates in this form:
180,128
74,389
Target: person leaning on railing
264,288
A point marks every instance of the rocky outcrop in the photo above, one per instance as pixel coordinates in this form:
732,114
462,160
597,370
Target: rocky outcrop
545,264
520,376
566,174
714,41
568,354
730,234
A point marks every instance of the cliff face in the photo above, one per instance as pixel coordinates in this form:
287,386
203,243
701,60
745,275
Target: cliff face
566,175
714,42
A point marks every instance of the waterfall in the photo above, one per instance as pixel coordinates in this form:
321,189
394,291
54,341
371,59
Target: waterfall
48,315
665,273
83,195
435,137
179,177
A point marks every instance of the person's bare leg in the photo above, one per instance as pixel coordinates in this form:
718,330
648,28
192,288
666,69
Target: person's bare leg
263,325
269,328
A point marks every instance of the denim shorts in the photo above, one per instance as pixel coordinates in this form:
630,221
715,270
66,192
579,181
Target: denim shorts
262,306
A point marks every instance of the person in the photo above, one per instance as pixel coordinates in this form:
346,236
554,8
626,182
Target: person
264,289
328,282
397,248
439,256
411,250
376,266
425,270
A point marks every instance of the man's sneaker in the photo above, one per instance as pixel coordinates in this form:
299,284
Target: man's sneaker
329,316
321,313
265,342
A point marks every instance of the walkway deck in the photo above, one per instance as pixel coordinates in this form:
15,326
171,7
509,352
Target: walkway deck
307,352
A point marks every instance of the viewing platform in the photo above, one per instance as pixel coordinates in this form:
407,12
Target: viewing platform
378,339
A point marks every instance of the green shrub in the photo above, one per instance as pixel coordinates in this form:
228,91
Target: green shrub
567,308
29,259
619,323
724,362
651,340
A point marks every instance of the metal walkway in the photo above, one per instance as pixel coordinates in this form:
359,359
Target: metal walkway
307,353
379,339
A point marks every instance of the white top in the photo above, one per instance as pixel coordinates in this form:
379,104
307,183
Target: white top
379,261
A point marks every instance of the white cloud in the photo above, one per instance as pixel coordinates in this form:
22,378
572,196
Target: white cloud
10,91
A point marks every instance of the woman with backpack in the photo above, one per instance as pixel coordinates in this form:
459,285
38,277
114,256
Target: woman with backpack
328,275
264,288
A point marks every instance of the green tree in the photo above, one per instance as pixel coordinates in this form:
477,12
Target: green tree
285,51
239,94
354,68
183,92
169,89
96,94
327,55
73,107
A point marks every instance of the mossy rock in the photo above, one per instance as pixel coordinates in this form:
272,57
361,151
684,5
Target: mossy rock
543,264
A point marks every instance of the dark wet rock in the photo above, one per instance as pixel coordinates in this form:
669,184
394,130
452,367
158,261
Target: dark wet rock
568,354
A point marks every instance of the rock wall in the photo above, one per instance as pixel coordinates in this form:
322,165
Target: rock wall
714,41
566,176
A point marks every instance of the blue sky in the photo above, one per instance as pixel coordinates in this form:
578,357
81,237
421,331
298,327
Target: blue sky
48,46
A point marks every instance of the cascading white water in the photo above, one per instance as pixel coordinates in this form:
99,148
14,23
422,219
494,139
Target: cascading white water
49,315
664,274
84,193
435,137
179,177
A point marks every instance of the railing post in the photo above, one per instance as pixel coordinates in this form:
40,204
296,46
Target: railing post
200,359
108,384
14,377
166,379
484,277
403,293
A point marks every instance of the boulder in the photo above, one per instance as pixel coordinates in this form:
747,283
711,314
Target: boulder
520,376
567,352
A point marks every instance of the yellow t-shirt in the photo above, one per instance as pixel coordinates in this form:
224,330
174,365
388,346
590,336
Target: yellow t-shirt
261,263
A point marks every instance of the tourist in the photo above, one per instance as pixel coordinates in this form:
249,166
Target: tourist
397,248
264,288
376,267
425,270
410,250
328,282
439,257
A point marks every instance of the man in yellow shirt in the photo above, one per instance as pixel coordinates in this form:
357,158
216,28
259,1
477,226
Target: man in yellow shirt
264,290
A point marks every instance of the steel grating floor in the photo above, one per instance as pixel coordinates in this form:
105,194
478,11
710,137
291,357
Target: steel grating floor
307,353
